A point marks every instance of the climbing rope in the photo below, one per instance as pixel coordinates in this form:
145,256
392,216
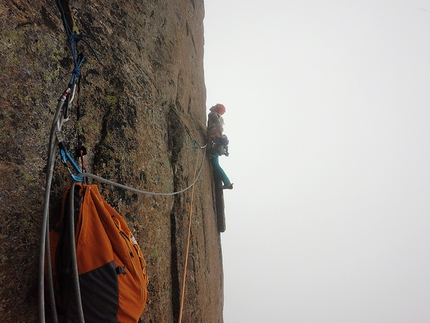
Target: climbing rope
73,43
75,276
44,245
56,136
61,115
65,156
135,190
190,133
181,307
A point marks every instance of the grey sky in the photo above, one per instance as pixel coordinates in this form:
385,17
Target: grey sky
328,114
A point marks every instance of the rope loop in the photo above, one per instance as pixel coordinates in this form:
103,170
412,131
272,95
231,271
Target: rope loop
73,40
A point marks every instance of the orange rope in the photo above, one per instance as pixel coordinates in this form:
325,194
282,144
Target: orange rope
181,307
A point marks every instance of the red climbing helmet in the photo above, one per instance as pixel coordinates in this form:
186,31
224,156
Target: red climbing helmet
220,108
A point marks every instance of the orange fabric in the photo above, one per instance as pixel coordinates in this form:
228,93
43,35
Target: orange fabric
107,230
93,244
102,235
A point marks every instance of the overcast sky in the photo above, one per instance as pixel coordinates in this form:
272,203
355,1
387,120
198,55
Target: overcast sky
328,116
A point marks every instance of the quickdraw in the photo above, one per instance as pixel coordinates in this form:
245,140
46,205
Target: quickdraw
64,154
79,175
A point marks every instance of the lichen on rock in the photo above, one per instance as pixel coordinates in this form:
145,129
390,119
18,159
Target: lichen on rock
138,113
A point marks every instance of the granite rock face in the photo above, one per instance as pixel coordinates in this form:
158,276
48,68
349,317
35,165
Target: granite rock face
140,113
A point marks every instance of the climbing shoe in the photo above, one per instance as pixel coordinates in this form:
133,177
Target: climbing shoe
228,186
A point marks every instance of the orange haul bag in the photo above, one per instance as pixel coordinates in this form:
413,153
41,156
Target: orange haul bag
111,269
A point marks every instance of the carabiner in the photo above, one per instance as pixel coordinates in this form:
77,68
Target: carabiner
65,157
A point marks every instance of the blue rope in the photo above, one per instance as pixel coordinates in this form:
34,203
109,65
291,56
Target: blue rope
78,60
73,40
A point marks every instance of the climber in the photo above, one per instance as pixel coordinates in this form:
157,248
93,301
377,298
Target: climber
215,120
218,142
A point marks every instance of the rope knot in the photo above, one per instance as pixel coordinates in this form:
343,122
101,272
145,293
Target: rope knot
76,71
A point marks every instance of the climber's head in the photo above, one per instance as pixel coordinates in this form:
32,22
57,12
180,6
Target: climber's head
220,108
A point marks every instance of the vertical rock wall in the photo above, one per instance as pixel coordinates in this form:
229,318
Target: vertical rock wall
139,113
